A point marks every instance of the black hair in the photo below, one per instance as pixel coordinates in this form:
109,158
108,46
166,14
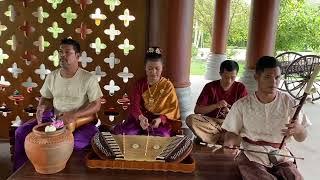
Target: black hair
229,65
266,62
153,54
74,43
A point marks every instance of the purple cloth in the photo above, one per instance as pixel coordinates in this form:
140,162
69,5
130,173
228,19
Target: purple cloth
132,127
82,137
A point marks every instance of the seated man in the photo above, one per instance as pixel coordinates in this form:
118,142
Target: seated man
214,102
74,95
262,119
153,103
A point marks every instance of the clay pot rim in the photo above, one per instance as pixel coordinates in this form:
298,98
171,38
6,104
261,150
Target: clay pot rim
42,133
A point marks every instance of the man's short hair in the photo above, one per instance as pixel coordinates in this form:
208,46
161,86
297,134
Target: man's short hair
74,43
229,65
266,62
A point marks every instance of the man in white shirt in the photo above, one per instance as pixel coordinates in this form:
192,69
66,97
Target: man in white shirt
74,95
262,119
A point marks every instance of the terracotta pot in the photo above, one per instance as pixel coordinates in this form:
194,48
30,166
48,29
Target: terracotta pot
49,152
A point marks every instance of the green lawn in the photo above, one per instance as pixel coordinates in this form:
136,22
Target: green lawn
198,67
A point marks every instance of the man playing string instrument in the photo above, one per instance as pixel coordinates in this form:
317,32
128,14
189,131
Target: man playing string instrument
74,95
214,102
262,119
153,102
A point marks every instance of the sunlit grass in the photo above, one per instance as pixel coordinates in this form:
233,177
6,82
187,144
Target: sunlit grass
198,67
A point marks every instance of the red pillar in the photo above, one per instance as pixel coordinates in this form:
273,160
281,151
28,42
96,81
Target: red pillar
170,27
219,39
263,26
158,23
220,26
262,35
179,42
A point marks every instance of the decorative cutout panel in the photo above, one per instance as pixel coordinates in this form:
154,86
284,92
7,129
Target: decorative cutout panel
112,38
3,56
40,14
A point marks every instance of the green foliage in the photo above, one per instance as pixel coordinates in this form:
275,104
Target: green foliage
194,51
298,25
203,14
198,67
239,23
239,18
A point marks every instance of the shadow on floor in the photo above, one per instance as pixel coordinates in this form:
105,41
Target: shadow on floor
5,161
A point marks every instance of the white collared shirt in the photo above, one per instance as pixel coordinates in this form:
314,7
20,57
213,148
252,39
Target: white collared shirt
251,118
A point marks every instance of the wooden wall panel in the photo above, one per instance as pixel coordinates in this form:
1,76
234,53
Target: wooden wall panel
135,32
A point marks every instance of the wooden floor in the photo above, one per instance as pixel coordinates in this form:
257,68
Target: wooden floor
5,161
208,166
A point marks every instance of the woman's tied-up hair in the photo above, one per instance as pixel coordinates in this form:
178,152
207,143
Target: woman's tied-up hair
153,54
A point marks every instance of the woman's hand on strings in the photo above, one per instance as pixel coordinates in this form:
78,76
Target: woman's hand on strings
156,122
143,122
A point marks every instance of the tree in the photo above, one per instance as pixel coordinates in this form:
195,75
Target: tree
203,16
298,26
238,28
239,23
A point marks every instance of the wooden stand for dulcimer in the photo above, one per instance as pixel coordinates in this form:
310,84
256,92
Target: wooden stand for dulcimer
164,153
186,166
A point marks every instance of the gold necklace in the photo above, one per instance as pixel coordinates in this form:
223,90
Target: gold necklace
151,99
